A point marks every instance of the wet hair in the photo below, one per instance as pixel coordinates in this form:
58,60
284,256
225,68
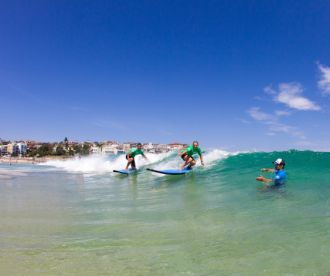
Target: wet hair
195,142
139,144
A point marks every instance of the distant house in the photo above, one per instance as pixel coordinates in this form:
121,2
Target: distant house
3,149
149,147
126,147
159,148
110,148
95,149
177,146
22,148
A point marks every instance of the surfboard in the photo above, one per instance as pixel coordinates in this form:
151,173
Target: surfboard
127,172
171,171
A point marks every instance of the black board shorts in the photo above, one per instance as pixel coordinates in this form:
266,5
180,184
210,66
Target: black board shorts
133,162
128,156
183,156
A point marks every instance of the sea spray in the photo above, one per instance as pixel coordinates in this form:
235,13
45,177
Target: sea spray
103,163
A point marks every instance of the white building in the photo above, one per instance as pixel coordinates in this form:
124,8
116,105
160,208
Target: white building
95,149
149,147
22,148
126,147
162,148
3,149
12,148
110,148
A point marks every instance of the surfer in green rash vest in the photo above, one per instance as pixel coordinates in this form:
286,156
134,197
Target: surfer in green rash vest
132,153
187,155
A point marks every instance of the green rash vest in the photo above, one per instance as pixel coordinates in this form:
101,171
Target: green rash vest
134,152
191,151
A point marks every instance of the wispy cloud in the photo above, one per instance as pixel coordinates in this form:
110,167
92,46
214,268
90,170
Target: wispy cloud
269,90
243,121
324,82
258,115
274,126
290,94
282,113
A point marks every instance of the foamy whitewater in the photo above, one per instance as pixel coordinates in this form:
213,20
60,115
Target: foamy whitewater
102,163
77,217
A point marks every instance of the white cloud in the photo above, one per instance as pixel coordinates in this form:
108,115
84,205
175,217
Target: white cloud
290,95
282,113
283,128
258,115
324,82
243,121
275,127
269,90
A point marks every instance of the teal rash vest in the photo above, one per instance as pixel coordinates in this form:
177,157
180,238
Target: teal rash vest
191,151
135,151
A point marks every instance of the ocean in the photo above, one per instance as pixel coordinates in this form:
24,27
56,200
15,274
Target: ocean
77,217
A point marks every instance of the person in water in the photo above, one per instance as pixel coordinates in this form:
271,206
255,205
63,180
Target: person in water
187,155
279,177
131,154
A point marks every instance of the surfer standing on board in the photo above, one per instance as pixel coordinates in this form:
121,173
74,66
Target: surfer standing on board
187,155
132,153
280,174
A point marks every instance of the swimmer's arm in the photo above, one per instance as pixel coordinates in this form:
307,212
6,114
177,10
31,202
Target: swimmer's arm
267,170
264,179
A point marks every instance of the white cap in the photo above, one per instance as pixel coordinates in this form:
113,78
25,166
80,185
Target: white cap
279,161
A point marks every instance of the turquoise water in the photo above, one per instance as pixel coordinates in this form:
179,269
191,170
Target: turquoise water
61,219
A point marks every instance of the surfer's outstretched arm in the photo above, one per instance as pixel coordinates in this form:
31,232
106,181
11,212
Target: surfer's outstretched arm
201,158
267,170
264,179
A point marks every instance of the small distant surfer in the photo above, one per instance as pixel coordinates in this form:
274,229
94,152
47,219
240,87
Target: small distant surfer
131,154
279,177
187,155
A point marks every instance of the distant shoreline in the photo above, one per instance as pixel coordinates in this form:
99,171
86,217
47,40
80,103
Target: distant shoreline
30,160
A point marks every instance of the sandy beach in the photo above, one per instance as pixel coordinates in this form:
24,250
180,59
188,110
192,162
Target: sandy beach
30,160
16,160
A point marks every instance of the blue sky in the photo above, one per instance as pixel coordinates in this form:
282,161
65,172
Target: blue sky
237,75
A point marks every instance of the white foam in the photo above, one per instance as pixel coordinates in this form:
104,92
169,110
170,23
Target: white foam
213,156
99,163
210,159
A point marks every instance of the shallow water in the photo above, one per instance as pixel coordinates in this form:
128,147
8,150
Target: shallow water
216,220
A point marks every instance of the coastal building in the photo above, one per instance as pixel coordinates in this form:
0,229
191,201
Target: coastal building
110,148
149,147
177,146
160,148
12,149
3,149
95,149
22,148
126,147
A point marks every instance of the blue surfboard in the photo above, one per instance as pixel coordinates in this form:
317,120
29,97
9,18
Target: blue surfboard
127,172
171,171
